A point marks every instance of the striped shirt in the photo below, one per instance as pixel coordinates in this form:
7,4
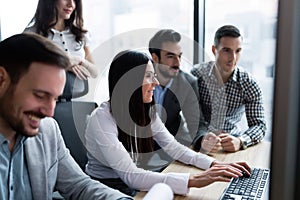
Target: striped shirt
223,105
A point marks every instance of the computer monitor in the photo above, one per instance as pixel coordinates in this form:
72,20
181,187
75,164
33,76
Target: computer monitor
285,158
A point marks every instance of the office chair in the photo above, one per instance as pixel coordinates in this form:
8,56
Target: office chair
72,116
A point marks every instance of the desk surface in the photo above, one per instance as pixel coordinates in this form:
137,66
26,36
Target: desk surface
257,156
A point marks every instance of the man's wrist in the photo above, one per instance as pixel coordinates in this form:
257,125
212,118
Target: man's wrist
197,143
243,143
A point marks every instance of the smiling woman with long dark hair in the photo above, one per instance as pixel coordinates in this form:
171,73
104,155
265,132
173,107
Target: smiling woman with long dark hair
120,135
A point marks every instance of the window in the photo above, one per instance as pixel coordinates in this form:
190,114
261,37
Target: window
116,25
15,15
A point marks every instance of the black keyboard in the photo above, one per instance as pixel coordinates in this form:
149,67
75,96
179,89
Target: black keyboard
248,188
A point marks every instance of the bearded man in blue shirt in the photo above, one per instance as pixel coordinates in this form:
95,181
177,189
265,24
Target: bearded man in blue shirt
34,158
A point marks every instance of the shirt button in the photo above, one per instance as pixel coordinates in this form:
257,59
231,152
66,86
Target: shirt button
66,49
63,42
11,187
60,34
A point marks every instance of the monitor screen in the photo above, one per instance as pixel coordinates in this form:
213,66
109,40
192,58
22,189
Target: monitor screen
285,162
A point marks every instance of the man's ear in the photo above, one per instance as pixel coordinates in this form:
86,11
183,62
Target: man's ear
154,57
4,80
213,49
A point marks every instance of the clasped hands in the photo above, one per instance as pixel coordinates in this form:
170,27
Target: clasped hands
78,68
212,142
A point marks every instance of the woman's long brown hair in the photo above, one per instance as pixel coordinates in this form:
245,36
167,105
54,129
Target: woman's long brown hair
45,18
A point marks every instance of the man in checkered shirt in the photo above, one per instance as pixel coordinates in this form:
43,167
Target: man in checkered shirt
227,92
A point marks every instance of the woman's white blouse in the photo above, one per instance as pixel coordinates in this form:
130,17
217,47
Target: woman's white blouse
66,40
108,158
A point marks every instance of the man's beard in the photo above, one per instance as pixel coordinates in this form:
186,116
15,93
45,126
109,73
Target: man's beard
18,125
9,115
166,74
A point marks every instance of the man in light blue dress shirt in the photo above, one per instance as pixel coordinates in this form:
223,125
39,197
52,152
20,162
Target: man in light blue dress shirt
34,160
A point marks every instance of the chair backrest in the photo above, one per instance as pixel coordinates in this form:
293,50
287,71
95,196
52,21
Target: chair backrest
74,87
72,117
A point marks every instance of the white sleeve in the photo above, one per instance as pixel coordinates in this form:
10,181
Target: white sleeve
176,150
88,39
103,141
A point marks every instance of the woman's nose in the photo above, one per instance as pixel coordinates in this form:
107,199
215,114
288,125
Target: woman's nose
155,81
71,3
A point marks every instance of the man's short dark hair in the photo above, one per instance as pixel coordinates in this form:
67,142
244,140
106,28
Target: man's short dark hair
164,35
19,51
226,30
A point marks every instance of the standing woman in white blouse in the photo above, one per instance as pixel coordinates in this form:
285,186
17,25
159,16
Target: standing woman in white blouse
61,21
121,131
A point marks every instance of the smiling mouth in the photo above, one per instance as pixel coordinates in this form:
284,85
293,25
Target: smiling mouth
68,11
34,118
230,64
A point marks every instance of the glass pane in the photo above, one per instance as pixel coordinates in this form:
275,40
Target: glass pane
256,20
117,25
114,25
108,18
15,15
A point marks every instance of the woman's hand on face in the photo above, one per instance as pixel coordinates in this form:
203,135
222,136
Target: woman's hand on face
219,172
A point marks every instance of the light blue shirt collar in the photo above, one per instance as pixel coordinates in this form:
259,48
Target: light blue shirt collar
14,176
159,96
